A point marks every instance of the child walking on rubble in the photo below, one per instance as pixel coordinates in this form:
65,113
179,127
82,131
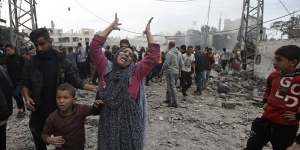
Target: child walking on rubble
280,119
64,127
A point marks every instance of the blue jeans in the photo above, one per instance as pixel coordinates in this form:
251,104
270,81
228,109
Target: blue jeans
171,87
201,79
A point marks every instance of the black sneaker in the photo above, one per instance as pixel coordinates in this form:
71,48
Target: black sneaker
173,105
166,101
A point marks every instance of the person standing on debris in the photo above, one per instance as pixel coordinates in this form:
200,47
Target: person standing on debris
71,56
14,64
188,68
41,76
141,53
201,66
121,88
172,67
211,62
182,50
66,124
81,61
235,62
225,56
280,120
6,105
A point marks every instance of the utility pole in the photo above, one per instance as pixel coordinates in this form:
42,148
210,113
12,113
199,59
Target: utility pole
207,24
251,31
22,15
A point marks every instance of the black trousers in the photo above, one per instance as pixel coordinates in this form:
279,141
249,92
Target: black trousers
224,64
263,131
186,81
3,137
36,124
82,67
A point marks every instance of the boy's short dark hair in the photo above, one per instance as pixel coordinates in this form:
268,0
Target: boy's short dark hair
291,52
67,87
41,32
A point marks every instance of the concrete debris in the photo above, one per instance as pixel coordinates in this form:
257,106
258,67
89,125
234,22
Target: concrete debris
228,105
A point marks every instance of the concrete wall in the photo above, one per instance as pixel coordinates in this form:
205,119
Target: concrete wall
267,49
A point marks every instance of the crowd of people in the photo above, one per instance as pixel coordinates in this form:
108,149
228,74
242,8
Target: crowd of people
44,83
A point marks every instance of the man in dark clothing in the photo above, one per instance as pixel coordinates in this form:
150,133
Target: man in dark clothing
201,67
141,53
6,89
88,65
81,61
108,54
41,76
14,63
71,56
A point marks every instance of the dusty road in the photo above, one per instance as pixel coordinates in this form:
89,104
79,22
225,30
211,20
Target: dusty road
200,122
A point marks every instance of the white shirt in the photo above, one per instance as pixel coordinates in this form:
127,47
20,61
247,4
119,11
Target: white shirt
187,62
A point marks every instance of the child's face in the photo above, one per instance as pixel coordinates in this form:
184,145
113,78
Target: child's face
283,64
64,100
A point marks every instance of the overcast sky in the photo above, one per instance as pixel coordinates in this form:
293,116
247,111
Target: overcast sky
169,17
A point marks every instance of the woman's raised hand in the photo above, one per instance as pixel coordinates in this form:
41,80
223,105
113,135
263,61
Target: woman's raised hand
148,33
147,30
115,24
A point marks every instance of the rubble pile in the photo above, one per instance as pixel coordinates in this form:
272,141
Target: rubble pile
242,84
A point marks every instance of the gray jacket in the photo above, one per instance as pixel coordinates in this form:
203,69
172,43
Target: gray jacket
173,61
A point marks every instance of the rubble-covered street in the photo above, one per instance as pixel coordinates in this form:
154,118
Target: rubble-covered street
212,121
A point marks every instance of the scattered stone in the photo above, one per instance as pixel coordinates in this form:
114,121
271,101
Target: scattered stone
228,105
161,118
223,88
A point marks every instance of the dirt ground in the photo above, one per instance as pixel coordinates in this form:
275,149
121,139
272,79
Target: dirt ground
200,122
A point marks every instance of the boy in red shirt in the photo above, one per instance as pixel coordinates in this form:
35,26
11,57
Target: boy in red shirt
279,123
65,126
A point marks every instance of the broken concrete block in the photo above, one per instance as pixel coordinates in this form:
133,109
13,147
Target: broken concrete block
223,88
228,105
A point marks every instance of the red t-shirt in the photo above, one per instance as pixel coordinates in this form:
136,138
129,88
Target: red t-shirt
282,94
71,127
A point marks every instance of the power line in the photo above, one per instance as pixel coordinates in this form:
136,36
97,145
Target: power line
284,6
225,31
102,19
231,30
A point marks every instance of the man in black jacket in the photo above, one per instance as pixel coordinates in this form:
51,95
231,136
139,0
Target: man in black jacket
6,89
14,63
41,76
201,67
